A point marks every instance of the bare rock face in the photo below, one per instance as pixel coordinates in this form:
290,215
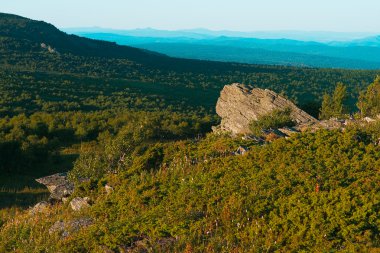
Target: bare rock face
58,185
238,106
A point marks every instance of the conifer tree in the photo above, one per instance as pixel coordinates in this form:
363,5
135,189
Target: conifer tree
326,111
333,106
369,101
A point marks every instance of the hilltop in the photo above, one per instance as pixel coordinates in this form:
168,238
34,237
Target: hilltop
32,33
127,135
128,194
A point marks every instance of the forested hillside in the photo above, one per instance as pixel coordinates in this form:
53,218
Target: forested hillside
34,50
140,122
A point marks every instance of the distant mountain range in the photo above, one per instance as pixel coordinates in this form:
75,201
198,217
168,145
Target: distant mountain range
320,36
329,50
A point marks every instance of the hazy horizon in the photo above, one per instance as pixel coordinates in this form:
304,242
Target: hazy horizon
211,30
240,15
317,36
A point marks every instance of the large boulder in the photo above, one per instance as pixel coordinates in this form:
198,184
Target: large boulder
58,185
238,106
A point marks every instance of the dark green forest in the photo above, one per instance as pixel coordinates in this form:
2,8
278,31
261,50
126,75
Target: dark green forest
74,104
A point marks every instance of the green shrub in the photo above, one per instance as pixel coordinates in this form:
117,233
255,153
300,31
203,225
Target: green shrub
275,119
198,195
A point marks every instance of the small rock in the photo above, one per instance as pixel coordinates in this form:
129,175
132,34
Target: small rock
241,150
257,139
330,124
79,203
59,227
65,228
288,131
80,223
368,119
108,188
40,207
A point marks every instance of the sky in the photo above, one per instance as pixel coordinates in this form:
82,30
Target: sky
235,15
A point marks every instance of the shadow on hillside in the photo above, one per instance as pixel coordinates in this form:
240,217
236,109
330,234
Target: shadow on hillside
21,190
22,199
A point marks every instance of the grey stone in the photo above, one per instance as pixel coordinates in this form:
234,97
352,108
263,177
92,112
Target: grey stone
241,150
79,203
65,228
59,227
329,124
108,189
288,131
58,185
238,106
40,207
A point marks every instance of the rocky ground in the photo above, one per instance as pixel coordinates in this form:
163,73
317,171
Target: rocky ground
238,106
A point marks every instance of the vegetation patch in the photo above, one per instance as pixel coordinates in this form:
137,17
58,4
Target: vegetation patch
275,119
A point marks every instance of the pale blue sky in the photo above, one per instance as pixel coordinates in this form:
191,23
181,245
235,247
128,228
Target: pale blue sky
238,15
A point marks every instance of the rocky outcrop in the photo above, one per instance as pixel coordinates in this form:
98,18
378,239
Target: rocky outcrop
238,106
58,185
330,124
48,48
